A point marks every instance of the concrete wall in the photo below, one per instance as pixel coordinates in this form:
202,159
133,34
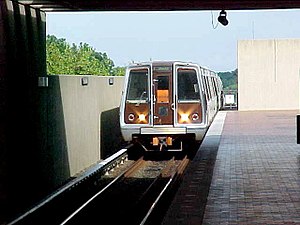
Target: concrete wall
85,118
268,74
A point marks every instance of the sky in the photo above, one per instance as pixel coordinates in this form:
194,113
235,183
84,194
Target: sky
178,35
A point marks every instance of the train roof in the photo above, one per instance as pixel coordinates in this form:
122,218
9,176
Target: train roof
162,62
167,63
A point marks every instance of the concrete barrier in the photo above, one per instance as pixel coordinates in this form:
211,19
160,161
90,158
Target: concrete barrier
84,111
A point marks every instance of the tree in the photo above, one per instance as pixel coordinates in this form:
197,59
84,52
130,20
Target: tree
229,79
106,64
118,71
62,58
58,55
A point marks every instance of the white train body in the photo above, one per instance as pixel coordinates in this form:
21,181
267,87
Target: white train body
167,103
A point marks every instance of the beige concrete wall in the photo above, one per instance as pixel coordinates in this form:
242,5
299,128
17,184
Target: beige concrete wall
82,106
268,74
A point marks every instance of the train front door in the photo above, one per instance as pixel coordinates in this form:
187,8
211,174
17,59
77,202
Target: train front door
162,95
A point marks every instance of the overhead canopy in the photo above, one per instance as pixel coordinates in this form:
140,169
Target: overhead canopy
157,5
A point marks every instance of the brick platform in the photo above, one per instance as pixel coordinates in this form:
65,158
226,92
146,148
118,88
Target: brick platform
255,179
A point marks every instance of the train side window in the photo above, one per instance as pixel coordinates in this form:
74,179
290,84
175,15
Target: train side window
187,85
210,87
214,86
218,86
207,87
138,85
204,85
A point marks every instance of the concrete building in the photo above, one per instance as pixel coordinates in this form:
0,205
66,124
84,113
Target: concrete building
268,74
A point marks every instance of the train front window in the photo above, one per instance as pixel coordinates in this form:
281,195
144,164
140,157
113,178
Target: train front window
188,88
138,86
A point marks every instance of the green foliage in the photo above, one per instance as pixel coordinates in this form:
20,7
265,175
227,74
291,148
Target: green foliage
229,79
118,71
63,58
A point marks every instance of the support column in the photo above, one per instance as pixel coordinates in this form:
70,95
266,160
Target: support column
22,125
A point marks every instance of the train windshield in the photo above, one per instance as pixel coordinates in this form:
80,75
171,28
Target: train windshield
138,85
188,88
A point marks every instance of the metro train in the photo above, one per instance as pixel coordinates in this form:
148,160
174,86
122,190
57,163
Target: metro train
167,104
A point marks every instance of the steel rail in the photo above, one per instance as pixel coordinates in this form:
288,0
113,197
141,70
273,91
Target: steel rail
129,171
99,167
172,179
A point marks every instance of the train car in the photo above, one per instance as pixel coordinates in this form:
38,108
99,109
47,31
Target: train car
166,104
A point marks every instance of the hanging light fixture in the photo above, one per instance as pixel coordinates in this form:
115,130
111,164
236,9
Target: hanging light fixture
222,18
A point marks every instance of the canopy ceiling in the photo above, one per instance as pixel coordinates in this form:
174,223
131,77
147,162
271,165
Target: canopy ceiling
157,5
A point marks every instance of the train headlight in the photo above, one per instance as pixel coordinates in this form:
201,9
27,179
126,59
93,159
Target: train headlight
142,117
195,116
131,117
184,117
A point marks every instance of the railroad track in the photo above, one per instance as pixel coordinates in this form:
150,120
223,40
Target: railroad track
58,205
136,196
117,190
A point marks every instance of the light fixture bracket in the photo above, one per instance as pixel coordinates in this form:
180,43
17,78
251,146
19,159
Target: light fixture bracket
222,18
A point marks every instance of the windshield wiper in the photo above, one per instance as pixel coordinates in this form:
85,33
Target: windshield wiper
140,99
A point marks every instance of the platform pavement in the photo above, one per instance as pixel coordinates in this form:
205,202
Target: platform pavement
250,174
